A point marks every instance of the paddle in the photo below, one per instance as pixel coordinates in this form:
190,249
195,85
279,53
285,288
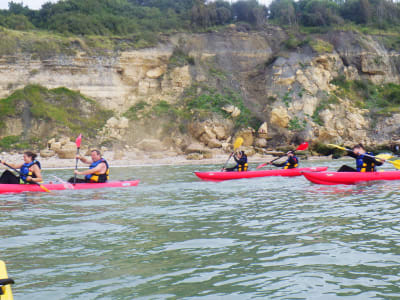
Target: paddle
236,145
395,163
31,182
301,147
78,146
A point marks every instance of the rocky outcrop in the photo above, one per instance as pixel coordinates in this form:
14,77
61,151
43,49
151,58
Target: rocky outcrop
289,91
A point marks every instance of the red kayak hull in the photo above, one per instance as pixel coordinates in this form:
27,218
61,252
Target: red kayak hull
220,176
334,178
20,188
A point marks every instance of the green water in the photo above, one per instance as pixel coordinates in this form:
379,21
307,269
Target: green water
175,237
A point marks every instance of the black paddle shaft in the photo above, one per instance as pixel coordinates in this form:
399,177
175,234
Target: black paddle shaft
76,164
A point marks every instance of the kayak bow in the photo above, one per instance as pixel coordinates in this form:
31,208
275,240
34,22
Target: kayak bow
20,188
333,178
220,176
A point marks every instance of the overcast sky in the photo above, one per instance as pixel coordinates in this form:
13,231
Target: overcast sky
36,4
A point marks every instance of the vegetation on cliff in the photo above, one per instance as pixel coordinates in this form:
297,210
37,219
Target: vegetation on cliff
61,109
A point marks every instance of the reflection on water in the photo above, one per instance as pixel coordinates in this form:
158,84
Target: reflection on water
174,236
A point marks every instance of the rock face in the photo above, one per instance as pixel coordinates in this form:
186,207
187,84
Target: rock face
290,90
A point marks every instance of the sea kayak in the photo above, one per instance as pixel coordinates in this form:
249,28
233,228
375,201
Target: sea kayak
220,176
333,178
19,188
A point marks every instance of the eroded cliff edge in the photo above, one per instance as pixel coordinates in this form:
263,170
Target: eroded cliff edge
295,87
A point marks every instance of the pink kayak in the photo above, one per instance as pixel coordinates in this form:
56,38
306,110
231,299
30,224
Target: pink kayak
333,178
20,188
220,176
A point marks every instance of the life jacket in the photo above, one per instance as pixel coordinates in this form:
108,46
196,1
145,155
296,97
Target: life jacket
25,172
290,165
242,167
364,166
97,177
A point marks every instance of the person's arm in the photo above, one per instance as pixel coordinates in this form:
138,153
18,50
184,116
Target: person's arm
38,174
101,168
15,166
83,159
351,154
279,164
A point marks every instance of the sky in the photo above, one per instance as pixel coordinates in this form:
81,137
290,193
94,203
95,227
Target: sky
36,4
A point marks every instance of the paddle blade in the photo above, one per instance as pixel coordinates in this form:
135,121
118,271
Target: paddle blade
302,147
78,141
238,143
44,188
384,156
261,166
395,163
336,146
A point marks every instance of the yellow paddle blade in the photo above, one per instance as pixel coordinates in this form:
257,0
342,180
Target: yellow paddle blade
238,143
384,156
44,188
336,146
395,163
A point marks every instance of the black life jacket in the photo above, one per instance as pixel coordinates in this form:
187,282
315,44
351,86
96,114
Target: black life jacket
291,165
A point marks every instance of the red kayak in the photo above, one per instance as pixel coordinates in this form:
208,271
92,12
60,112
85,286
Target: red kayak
20,188
333,178
220,176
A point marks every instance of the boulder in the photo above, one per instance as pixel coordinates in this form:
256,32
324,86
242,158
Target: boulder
47,153
195,148
67,151
233,110
118,155
150,145
214,143
260,142
194,156
64,140
263,130
208,155
155,73
55,146
280,117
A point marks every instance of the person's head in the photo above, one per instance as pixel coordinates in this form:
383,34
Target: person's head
29,157
95,154
240,154
359,149
290,153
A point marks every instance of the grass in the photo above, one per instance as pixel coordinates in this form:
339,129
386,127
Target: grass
62,107
45,44
323,104
192,105
321,46
380,99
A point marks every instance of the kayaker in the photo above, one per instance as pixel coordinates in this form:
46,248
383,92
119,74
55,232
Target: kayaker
291,162
241,162
29,171
364,163
98,171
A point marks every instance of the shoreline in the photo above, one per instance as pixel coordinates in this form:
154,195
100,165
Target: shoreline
55,163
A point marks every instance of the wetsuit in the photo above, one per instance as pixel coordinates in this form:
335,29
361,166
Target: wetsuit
363,163
241,164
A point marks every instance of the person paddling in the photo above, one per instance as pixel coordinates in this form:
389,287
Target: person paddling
98,171
365,162
292,161
29,171
241,162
